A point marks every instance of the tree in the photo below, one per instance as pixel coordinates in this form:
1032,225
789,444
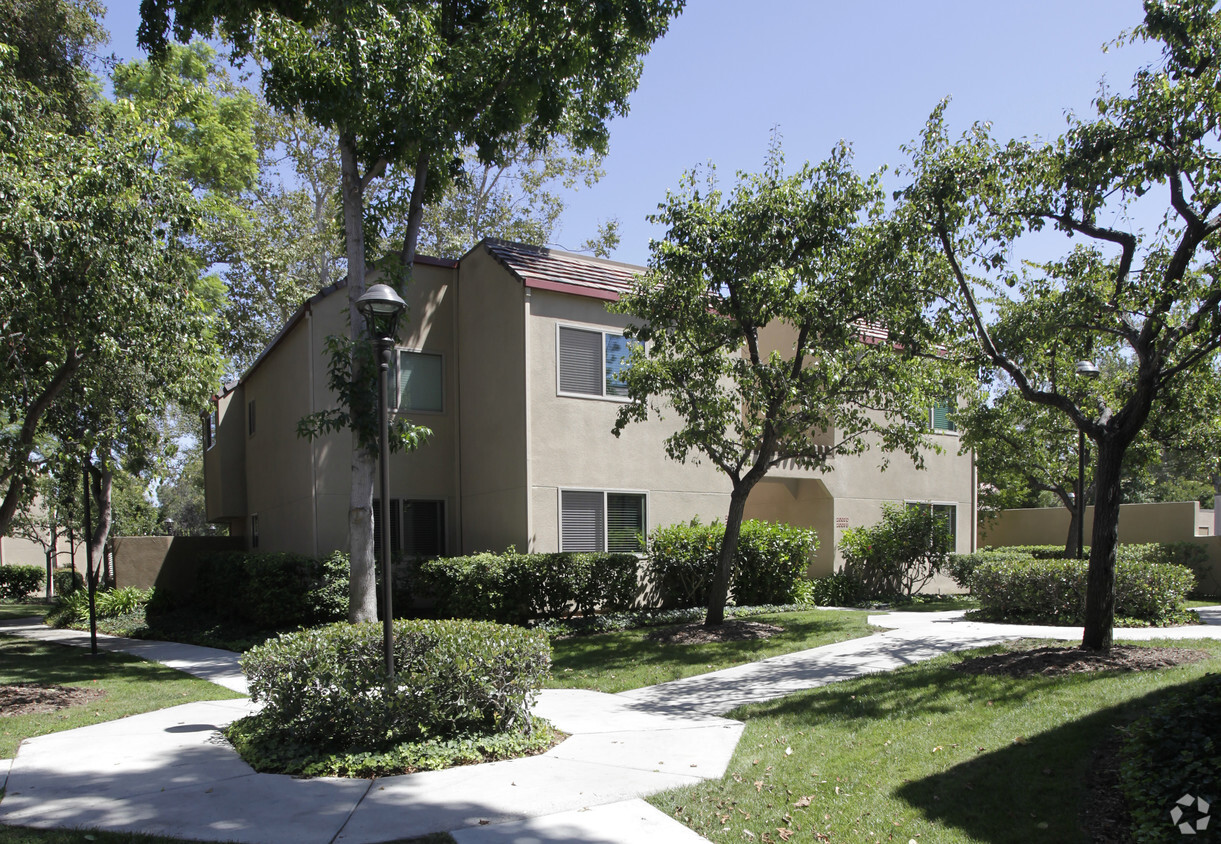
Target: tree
517,199
755,319
409,85
1152,290
97,276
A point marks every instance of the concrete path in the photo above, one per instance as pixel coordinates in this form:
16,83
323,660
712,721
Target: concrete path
170,773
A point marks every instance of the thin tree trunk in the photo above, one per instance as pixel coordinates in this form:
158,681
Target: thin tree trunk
718,593
1100,592
101,483
362,584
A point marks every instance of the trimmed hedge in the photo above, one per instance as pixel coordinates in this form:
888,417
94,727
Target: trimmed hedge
769,567
514,588
899,555
1169,752
68,581
16,582
275,590
1054,590
326,687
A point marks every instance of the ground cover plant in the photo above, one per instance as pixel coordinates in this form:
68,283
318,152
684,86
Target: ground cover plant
926,753
128,686
628,659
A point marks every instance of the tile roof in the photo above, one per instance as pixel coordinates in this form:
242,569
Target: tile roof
549,269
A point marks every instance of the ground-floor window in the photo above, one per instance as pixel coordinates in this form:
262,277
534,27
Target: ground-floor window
417,528
598,520
946,513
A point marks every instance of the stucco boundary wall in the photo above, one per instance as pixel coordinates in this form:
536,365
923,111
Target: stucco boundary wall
168,563
1177,521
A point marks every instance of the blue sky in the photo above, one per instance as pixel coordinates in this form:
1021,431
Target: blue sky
865,72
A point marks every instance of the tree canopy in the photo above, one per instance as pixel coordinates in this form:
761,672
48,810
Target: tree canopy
409,85
1152,291
777,323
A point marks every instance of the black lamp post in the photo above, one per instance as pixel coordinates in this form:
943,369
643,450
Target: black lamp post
381,307
1085,369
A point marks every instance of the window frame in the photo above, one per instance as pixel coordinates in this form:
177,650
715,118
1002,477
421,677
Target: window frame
949,405
250,419
604,333
645,502
254,531
953,523
398,527
398,380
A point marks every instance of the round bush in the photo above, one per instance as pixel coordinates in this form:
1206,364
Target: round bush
327,688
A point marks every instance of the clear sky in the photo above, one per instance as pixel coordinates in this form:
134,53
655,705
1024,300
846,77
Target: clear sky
868,72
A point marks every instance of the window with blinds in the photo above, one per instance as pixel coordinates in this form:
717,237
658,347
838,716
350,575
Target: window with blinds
417,528
602,521
940,414
420,382
591,362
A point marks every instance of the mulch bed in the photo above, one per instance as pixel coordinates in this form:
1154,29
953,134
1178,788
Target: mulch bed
26,698
1051,661
731,631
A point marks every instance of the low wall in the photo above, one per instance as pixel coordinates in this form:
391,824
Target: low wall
168,563
1176,521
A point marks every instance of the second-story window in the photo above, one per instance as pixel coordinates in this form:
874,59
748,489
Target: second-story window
591,362
940,416
420,382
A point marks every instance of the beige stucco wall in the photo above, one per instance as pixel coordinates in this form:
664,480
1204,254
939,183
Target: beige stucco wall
492,392
225,461
571,445
1176,521
15,551
1162,522
803,502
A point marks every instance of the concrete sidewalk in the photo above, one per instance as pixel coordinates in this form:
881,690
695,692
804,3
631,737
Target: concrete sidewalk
170,773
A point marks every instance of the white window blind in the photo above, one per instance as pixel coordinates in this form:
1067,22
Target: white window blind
420,382
624,522
581,361
582,521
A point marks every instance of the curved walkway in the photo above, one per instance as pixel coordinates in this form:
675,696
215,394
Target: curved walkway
170,773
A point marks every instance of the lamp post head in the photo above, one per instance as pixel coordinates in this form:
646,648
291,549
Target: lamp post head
381,307
1087,369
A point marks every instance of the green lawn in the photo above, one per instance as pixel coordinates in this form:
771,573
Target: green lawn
925,753
131,686
23,609
615,662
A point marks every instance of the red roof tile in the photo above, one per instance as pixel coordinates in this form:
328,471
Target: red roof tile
548,269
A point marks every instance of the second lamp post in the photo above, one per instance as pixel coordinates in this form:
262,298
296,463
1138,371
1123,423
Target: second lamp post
381,307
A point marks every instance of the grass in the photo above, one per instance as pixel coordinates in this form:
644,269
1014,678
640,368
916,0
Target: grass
23,609
132,686
615,662
925,753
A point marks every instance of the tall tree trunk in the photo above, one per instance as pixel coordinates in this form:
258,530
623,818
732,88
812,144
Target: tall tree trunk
101,483
362,584
718,593
1100,592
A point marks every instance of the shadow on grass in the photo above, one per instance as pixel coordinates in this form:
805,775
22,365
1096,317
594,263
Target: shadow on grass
1037,787
634,648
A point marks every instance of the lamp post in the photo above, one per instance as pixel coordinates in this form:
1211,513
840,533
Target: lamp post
381,307
1085,369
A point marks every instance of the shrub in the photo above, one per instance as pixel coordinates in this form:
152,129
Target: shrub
275,590
768,568
961,567
514,588
116,602
68,581
840,589
1014,587
899,554
107,603
1171,751
326,687
17,582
